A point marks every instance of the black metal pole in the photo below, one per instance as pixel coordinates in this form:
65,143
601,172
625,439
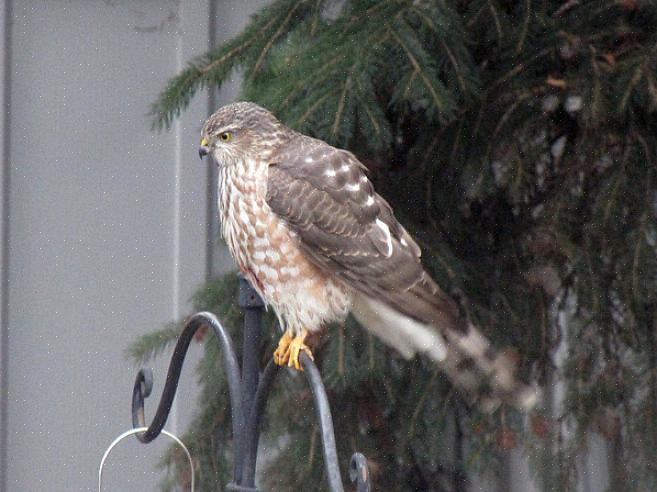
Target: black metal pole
253,307
253,422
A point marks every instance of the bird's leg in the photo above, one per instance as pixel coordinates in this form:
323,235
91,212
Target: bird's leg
282,353
298,345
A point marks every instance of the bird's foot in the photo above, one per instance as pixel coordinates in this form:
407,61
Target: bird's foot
282,352
296,347
289,349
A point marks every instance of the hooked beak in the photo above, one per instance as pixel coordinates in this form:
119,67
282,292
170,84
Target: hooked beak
203,150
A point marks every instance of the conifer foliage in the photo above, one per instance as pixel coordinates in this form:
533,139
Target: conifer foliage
517,141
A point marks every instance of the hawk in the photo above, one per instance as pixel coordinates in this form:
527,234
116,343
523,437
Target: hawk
307,229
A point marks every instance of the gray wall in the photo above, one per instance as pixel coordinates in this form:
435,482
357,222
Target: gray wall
106,227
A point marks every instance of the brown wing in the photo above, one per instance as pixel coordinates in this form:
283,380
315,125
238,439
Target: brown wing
346,228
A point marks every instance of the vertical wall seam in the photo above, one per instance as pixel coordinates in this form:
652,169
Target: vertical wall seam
177,201
177,195
211,170
4,255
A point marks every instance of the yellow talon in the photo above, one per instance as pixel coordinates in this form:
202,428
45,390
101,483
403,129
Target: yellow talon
282,353
295,348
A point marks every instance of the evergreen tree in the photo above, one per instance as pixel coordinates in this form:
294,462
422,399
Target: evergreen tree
517,140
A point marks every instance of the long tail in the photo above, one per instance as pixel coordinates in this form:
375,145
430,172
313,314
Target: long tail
467,357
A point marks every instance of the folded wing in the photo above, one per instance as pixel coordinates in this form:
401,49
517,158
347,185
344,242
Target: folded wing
347,229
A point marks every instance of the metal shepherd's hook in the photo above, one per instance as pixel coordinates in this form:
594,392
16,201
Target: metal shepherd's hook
249,390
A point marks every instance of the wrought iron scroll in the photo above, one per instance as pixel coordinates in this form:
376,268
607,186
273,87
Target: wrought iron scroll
249,390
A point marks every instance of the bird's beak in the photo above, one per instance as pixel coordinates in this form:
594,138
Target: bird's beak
203,150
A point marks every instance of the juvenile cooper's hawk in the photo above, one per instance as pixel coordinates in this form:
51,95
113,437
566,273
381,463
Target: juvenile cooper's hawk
307,229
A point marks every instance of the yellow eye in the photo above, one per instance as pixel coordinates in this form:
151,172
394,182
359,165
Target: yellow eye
225,136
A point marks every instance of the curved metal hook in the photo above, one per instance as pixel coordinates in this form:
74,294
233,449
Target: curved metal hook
325,422
358,470
144,381
137,431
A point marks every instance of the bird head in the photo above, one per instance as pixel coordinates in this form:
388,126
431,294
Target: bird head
239,130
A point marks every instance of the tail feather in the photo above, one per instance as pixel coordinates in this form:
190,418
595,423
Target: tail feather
464,354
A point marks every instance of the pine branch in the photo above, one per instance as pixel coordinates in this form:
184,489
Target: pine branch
214,67
151,345
423,67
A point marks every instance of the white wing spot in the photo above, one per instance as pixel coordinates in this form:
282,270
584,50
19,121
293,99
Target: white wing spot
370,201
386,230
330,173
363,179
344,168
353,187
309,160
403,242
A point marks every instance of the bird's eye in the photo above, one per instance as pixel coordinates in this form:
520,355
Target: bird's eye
225,136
